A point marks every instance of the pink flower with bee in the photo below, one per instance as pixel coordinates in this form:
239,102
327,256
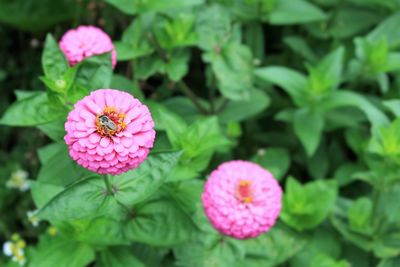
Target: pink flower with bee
109,132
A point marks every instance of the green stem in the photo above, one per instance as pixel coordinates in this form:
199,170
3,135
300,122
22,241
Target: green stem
211,94
108,184
186,90
181,84
222,106
376,196
160,51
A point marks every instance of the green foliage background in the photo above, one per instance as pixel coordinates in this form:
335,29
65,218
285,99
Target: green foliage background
307,89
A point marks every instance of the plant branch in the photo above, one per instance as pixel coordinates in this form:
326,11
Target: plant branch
186,90
181,84
160,51
222,106
110,190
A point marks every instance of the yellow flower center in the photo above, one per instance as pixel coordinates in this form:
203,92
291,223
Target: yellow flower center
243,191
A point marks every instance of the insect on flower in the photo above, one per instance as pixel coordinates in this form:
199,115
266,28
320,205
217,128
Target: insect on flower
109,132
106,123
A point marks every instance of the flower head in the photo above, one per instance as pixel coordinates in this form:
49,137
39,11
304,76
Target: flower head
109,132
86,41
33,218
15,249
18,180
241,199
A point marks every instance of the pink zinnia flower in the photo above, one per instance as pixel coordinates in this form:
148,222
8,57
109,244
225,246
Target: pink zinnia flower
241,199
86,41
109,131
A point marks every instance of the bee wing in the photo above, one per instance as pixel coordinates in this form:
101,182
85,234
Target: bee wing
111,125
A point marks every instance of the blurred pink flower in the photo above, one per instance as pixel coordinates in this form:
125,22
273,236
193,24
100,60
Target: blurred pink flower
109,132
242,199
86,41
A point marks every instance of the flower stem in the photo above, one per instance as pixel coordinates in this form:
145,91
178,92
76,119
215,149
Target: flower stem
223,105
186,90
181,84
108,184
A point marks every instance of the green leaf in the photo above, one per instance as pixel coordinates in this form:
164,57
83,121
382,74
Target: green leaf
295,11
175,67
300,46
391,262
124,84
243,109
374,53
326,261
350,99
318,164
308,126
323,241
149,255
54,62
159,222
175,30
391,205
118,257
31,111
178,67
352,20
300,211
274,159
344,174
58,251
134,43
97,232
95,72
233,69
86,199
186,194
133,7
55,130
339,221
213,27
137,185
58,168
269,249
255,39
22,94
393,105
174,125
392,63
327,74
359,215
386,141
184,108
387,29
198,143
210,250
294,83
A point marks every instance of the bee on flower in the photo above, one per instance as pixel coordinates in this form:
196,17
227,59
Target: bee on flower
18,180
15,249
32,217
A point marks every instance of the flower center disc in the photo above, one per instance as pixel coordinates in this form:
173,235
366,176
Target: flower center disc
110,122
243,191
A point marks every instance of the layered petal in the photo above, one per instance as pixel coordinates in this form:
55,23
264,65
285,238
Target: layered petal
241,199
86,41
101,139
